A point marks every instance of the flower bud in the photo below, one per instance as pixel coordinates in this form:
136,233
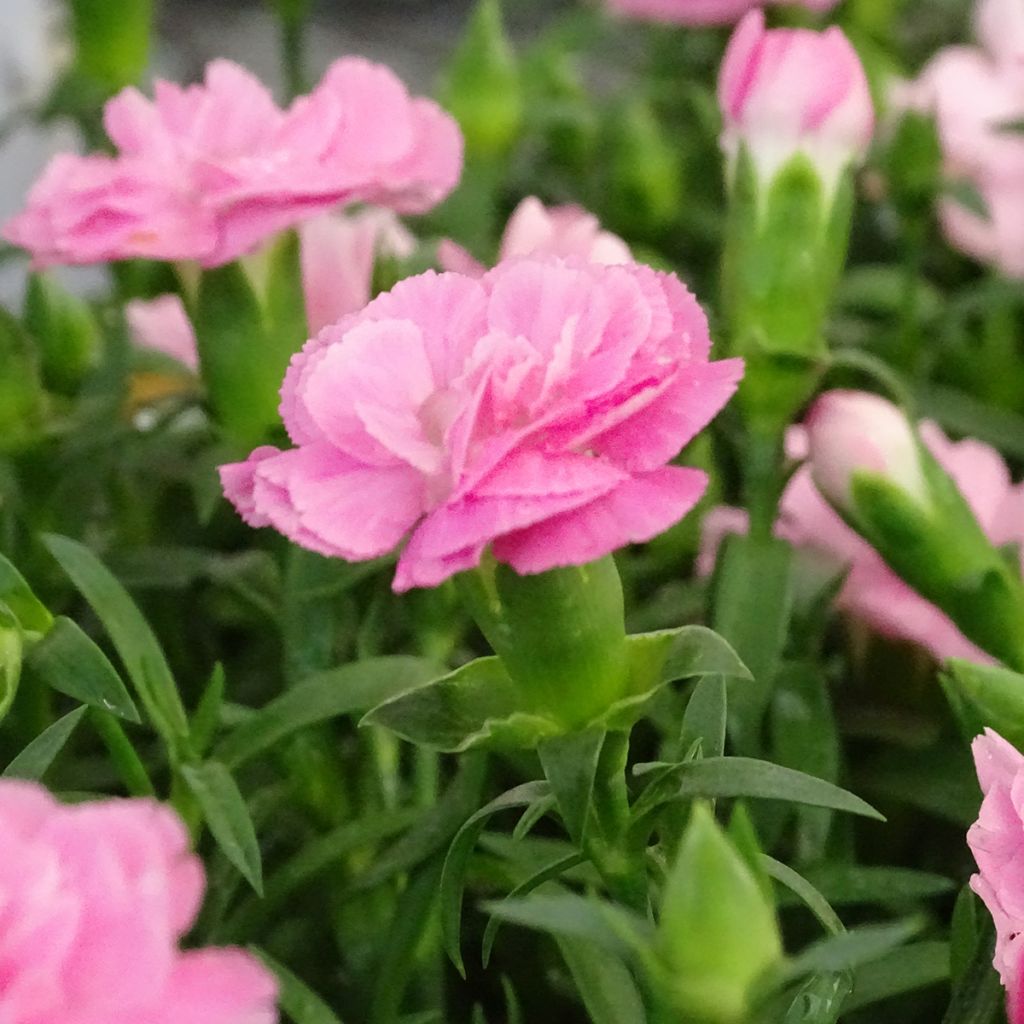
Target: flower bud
854,431
798,116
483,88
718,930
791,91
867,460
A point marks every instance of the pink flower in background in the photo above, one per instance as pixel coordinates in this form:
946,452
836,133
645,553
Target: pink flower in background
162,325
997,841
701,12
337,255
872,592
94,899
788,91
534,410
975,93
538,230
210,171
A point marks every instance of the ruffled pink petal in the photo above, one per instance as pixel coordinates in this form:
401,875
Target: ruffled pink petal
636,511
218,986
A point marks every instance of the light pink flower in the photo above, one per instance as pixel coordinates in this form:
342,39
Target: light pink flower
337,255
788,91
701,12
533,411
94,899
161,324
872,593
997,841
208,172
975,93
538,230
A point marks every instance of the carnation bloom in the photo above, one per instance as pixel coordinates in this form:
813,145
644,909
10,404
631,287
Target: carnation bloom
997,841
538,230
701,12
534,410
788,91
872,593
975,93
94,899
208,172
337,256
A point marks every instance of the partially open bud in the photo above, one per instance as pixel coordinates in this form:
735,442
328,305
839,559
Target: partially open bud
798,116
790,91
718,930
872,466
855,431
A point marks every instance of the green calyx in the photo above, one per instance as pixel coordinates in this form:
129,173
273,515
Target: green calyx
560,635
786,244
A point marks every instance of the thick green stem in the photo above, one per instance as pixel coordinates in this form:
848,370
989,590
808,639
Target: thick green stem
764,478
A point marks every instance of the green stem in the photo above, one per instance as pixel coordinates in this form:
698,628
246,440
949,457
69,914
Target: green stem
293,54
763,481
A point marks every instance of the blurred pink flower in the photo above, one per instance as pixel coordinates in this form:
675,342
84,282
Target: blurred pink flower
534,410
208,172
337,255
162,325
788,91
538,230
997,841
702,12
94,899
872,592
976,93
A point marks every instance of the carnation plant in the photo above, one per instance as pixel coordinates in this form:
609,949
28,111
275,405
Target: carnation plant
551,551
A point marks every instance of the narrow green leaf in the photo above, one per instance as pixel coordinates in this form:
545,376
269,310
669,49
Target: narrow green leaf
853,948
904,970
705,717
37,757
301,1004
11,653
226,813
206,720
72,663
604,982
605,925
748,777
513,1011
570,766
122,754
138,647
848,884
978,996
397,964
18,596
755,621
435,829
965,933
524,888
805,738
347,690
455,865
532,815
808,894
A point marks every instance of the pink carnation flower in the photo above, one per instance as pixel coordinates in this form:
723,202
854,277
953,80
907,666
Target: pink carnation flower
872,592
702,12
538,230
533,411
997,841
208,172
337,255
93,901
974,93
